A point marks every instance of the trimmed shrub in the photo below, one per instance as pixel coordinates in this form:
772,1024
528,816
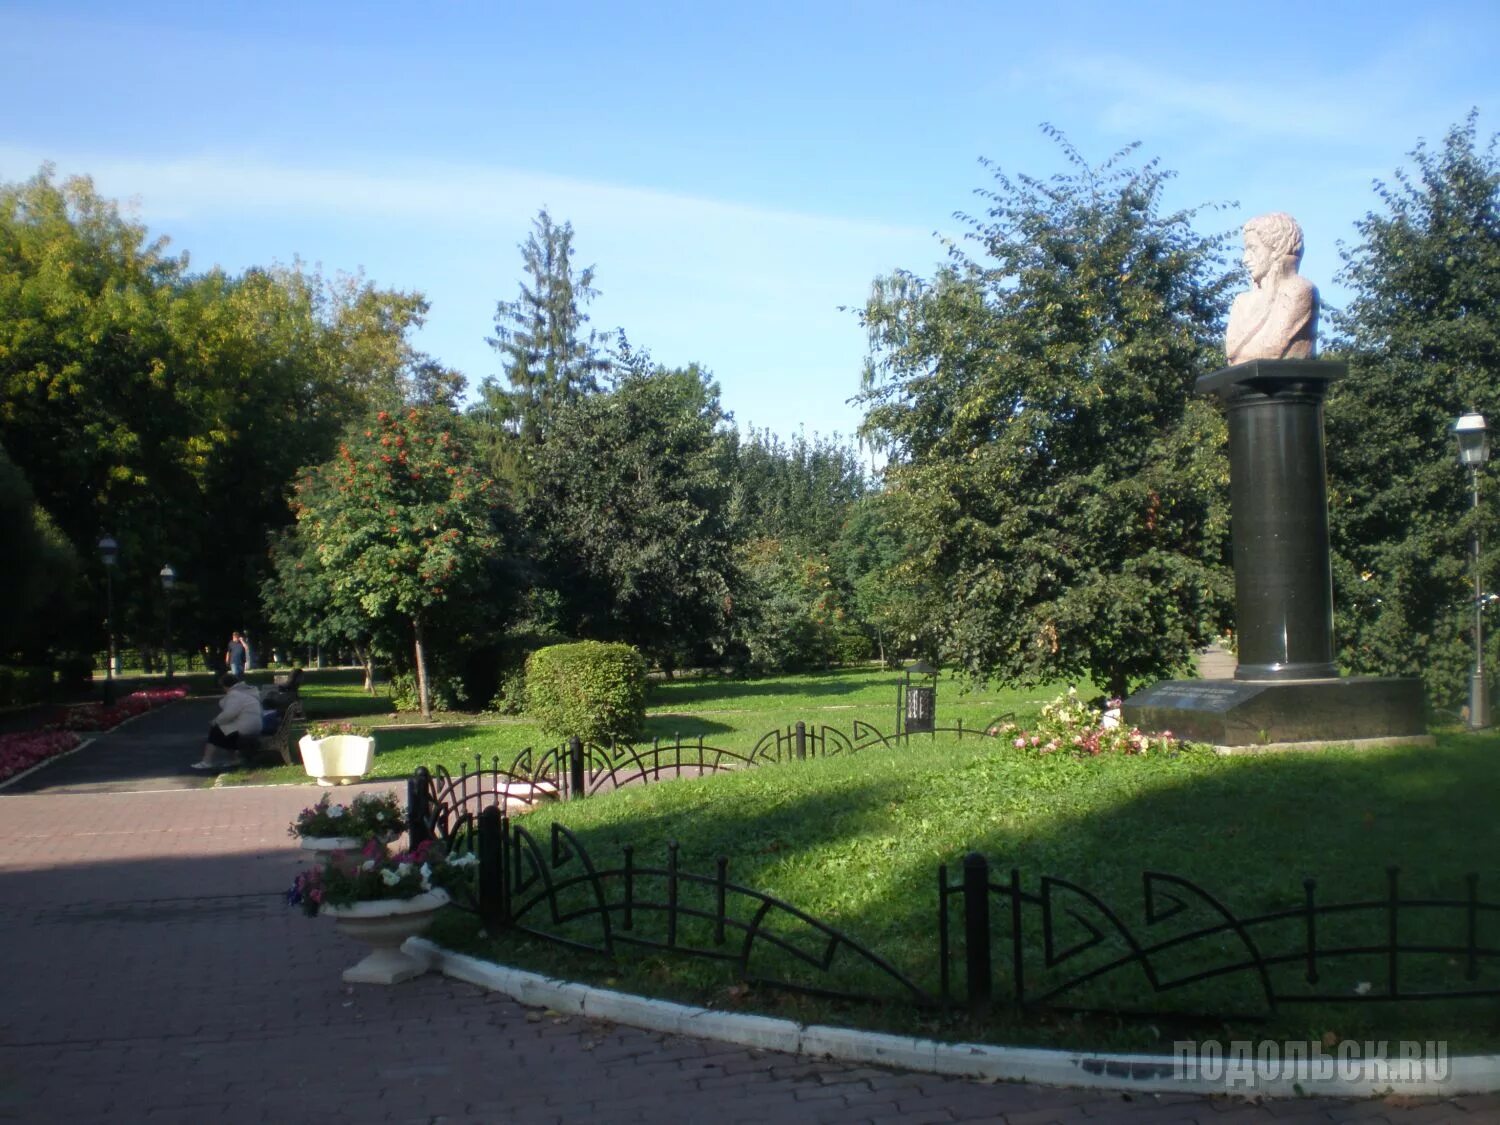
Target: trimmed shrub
593,690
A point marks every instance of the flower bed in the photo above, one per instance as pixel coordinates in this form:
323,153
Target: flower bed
25,749
20,752
1073,726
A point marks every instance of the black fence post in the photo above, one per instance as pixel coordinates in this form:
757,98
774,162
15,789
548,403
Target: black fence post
801,740
494,910
575,768
418,813
977,930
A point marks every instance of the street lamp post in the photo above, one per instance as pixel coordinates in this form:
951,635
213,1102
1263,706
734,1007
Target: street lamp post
109,552
168,580
1473,451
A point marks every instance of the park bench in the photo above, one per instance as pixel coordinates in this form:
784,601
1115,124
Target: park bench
289,717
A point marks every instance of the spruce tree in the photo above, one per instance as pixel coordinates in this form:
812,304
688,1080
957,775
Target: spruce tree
550,355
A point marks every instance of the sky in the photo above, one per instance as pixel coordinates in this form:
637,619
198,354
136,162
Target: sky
737,174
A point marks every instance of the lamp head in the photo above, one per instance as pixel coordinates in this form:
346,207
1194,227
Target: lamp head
168,578
109,550
1473,439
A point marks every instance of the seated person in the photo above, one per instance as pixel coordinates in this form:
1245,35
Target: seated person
238,718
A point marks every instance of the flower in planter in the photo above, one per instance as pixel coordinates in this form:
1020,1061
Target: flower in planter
368,816
375,874
318,731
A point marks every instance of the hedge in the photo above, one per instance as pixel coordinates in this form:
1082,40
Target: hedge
593,690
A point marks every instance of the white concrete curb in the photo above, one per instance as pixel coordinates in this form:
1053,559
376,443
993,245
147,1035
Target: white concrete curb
1471,1074
87,742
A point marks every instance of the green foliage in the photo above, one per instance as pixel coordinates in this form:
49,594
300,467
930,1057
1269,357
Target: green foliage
593,690
38,568
1062,490
549,358
173,409
789,615
510,696
629,512
445,692
23,685
399,525
796,490
1422,337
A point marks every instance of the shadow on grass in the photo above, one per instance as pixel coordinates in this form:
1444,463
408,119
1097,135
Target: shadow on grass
684,693
857,852
687,727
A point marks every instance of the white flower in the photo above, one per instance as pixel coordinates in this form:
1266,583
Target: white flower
367,865
403,869
426,872
467,860
335,811
1361,988
389,877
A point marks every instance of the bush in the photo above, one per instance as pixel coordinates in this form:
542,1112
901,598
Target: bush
510,697
23,685
592,690
445,691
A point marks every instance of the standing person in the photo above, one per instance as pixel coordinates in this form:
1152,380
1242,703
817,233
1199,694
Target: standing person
234,656
238,718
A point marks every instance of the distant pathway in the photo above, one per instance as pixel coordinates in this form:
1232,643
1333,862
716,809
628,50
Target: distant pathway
152,973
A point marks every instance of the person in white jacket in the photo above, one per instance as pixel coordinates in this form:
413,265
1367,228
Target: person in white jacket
238,718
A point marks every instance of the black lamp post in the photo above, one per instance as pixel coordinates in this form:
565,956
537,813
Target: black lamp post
109,552
168,580
1473,451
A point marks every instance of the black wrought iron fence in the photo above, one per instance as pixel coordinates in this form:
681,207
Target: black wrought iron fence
1056,945
443,803
555,890
1064,947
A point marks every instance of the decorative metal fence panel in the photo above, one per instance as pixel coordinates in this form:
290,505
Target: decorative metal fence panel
1054,945
1066,948
554,890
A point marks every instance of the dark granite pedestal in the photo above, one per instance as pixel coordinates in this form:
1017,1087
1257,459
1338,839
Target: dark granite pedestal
1249,714
1286,688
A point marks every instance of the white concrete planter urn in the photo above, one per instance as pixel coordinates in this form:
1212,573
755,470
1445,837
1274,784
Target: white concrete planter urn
383,924
322,847
337,759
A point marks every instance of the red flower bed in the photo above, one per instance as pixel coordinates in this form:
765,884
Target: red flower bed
23,750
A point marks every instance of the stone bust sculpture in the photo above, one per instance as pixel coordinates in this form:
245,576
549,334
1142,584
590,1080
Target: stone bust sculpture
1278,317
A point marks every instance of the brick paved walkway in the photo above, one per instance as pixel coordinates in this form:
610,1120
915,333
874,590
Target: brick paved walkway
153,974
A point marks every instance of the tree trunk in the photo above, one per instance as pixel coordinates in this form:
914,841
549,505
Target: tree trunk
426,702
365,654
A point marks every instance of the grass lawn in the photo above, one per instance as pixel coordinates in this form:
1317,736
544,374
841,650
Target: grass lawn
856,841
728,714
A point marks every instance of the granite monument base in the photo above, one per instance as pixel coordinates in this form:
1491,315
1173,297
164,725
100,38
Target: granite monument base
1245,714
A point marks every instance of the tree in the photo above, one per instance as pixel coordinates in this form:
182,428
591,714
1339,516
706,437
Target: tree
1422,337
549,358
38,570
1062,489
174,409
399,522
629,512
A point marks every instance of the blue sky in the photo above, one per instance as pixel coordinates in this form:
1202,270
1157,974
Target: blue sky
736,173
